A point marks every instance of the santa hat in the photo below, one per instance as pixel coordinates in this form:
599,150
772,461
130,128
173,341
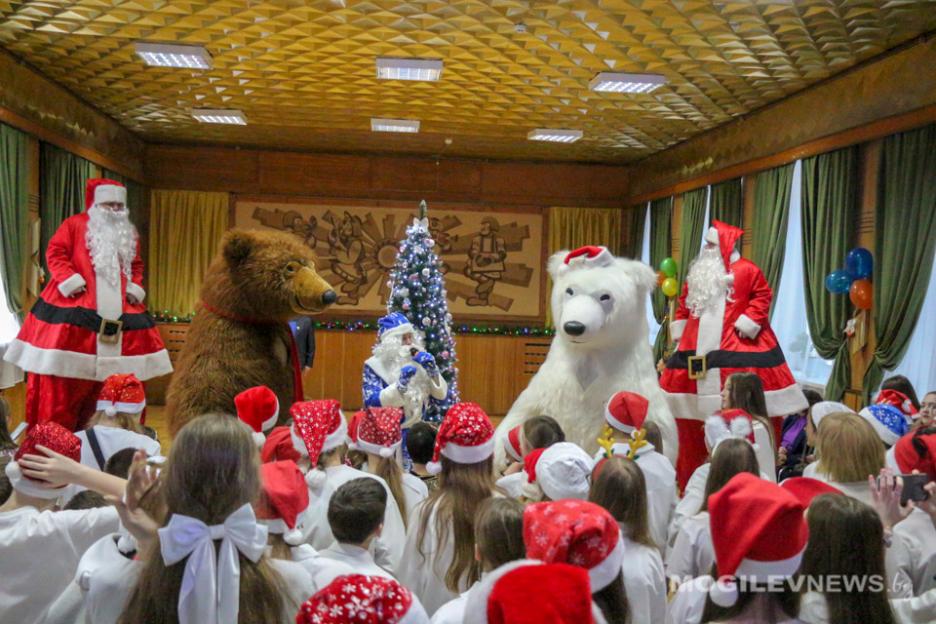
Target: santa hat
360,599
394,324
729,423
258,408
528,590
899,400
353,425
279,446
914,451
805,489
562,470
466,436
626,411
888,422
56,438
823,408
122,393
575,532
318,427
378,430
758,533
512,444
726,236
102,190
590,255
284,501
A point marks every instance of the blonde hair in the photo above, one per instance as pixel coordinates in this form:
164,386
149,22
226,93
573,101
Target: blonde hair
389,470
213,469
130,422
848,449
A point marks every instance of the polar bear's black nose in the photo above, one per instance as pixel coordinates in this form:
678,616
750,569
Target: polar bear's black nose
574,328
329,297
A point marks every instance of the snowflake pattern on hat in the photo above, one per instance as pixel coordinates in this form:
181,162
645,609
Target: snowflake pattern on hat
52,436
357,598
121,393
465,437
314,421
890,417
379,427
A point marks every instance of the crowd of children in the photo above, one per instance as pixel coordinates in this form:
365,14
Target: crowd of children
827,517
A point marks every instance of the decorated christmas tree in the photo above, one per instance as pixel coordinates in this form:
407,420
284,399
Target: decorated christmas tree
417,290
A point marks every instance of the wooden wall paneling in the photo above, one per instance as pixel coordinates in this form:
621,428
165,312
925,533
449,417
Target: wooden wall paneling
869,162
675,224
747,194
16,397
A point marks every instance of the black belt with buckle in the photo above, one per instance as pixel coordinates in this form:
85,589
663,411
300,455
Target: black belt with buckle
89,319
698,365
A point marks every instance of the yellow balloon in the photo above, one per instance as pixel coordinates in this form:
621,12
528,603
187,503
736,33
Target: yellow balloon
670,287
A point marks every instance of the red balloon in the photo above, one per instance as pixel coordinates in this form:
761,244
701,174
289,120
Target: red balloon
861,294
661,276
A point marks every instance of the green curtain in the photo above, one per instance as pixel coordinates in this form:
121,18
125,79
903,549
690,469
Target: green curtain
62,177
904,241
830,189
13,214
771,214
661,246
633,224
727,205
690,229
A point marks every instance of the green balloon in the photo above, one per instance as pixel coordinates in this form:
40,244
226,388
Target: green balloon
668,266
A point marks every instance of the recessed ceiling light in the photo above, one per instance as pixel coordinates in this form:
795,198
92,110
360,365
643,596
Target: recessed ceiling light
394,125
408,69
626,83
231,116
166,55
555,135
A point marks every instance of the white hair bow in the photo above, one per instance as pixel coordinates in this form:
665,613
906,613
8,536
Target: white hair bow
210,592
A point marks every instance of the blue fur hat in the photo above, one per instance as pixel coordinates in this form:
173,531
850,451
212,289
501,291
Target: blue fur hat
393,324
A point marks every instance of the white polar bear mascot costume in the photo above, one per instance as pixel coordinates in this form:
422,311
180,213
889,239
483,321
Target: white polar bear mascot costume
601,347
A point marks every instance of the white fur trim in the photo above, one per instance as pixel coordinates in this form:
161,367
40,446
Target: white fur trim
70,285
676,329
823,408
477,603
110,193
316,479
760,571
468,454
123,408
746,325
688,406
297,442
376,449
24,484
511,451
258,438
607,570
615,423
724,592
399,330
270,422
84,365
711,236
337,437
603,259
786,401
434,468
136,290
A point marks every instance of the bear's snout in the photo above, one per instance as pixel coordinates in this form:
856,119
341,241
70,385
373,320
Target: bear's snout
574,328
329,297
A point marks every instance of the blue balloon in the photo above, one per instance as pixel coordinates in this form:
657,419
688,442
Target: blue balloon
838,282
859,263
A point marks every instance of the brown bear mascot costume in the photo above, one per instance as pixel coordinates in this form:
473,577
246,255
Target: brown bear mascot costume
240,335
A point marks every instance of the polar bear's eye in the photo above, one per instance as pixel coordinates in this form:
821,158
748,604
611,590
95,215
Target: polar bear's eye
569,291
605,297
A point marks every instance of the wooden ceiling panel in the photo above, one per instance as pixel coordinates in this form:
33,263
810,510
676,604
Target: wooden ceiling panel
303,72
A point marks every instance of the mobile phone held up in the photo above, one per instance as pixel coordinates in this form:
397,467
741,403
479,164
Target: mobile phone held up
913,488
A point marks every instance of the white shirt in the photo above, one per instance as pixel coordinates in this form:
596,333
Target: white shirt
689,601
919,537
414,490
453,611
39,552
766,456
113,439
512,484
319,533
356,558
322,570
693,554
918,610
691,501
660,477
644,583
424,567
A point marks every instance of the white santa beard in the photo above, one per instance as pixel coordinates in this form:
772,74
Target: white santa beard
112,242
393,356
706,281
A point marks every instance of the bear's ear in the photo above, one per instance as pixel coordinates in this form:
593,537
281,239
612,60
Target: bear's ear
644,277
556,265
237,246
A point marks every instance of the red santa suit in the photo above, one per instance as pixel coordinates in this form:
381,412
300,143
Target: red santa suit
732,335
70,342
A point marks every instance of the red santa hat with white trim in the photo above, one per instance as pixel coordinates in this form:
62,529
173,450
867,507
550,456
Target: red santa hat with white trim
378,430
578,533
759,533
512,444
353,425
466,436
54,437
528,590
103,190
807,488
914,451
258,408
899,400
729,423
122,394
318,427
626,412
360,599
283,505
726,236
